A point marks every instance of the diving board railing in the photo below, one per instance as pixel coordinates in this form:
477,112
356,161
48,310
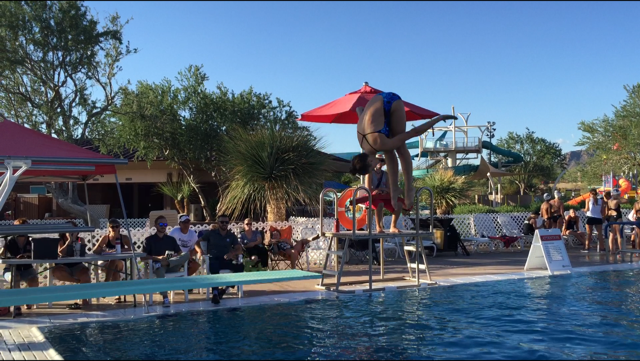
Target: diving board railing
39,295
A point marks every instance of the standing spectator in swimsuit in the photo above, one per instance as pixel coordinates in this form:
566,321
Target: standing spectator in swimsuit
20,247
595,209
635,236
377,182
382,127
107,244
286,248
252,242
571,227
557,211
614,214
545,211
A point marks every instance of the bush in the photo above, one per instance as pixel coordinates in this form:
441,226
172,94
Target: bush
580,206
511,209
473,209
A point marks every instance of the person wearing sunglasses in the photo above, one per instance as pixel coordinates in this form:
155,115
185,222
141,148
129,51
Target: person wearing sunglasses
252,242
107,244
223,247
72,272
165,252
187,239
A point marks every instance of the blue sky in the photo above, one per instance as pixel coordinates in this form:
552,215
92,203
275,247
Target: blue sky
542,65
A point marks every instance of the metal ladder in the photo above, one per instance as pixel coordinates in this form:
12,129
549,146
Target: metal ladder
332,247
419,245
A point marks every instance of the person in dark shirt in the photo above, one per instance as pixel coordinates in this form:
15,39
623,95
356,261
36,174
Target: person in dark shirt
20,247
531,224
159,248
223,248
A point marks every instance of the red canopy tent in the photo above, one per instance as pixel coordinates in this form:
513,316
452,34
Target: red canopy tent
18,142
343,110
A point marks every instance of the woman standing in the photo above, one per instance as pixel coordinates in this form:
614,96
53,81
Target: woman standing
595,209
615,215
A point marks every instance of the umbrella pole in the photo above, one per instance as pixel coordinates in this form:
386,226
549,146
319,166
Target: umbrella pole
133,253
86,202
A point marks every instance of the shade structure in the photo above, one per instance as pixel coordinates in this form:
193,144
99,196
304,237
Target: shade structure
486,168
18,142
343,110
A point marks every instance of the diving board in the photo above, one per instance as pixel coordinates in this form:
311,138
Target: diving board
38,295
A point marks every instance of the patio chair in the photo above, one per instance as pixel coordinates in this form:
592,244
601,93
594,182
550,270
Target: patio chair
481,226
277,262
511,229
148,268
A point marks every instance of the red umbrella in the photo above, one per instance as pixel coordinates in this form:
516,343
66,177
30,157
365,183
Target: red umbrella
343,110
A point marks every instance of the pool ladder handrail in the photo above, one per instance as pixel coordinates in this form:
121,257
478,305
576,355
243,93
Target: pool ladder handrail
419,243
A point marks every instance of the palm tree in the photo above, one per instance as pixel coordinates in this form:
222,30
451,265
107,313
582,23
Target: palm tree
448,190
179,190
270,170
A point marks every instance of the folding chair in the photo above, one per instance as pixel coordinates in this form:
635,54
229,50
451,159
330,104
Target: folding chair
481,225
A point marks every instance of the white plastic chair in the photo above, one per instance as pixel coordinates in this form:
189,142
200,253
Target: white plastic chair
203,246
511,229
477,223
183,273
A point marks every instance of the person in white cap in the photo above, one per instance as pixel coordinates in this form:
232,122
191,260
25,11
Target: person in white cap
614,214
187,239
557,211
545,211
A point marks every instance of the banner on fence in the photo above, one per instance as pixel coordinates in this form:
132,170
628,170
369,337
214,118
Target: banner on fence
548,252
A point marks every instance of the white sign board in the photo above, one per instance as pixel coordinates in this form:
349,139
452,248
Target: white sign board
548,252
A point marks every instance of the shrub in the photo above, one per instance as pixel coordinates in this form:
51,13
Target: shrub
473,209
511,209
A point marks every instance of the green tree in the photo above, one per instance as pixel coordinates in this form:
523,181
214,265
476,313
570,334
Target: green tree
448,190
185,123
58,67
615,139
270,170
543,159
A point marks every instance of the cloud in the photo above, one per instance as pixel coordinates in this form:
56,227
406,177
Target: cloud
562,141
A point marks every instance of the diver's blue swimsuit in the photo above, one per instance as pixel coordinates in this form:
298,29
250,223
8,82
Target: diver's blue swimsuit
388,99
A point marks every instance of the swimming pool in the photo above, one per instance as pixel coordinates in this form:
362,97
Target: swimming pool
582,316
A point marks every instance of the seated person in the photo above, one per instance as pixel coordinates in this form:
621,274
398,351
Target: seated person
114,268
252,242
224,249
570,227
187,239
72,272
285,248
20,247
531,224
157,246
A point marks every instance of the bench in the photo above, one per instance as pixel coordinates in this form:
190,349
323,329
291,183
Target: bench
23,296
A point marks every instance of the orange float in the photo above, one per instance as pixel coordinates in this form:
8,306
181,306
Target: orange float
345,220
625,187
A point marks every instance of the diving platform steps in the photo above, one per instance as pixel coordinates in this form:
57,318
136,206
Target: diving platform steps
341,256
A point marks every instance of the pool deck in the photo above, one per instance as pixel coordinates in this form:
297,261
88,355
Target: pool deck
21,339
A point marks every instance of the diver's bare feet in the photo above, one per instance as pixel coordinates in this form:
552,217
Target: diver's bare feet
394,230
409,195
379,229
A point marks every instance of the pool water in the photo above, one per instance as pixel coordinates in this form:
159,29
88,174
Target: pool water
587,316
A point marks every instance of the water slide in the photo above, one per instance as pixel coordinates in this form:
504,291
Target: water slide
465,169
625,187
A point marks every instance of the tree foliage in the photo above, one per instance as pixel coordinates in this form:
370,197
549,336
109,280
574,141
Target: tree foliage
615,139
185,123
448,190
58,66
543,159
270,170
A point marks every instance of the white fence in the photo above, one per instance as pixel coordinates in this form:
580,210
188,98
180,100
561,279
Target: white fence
302,228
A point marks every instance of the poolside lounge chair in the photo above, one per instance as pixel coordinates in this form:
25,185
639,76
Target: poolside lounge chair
482,230
511,229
